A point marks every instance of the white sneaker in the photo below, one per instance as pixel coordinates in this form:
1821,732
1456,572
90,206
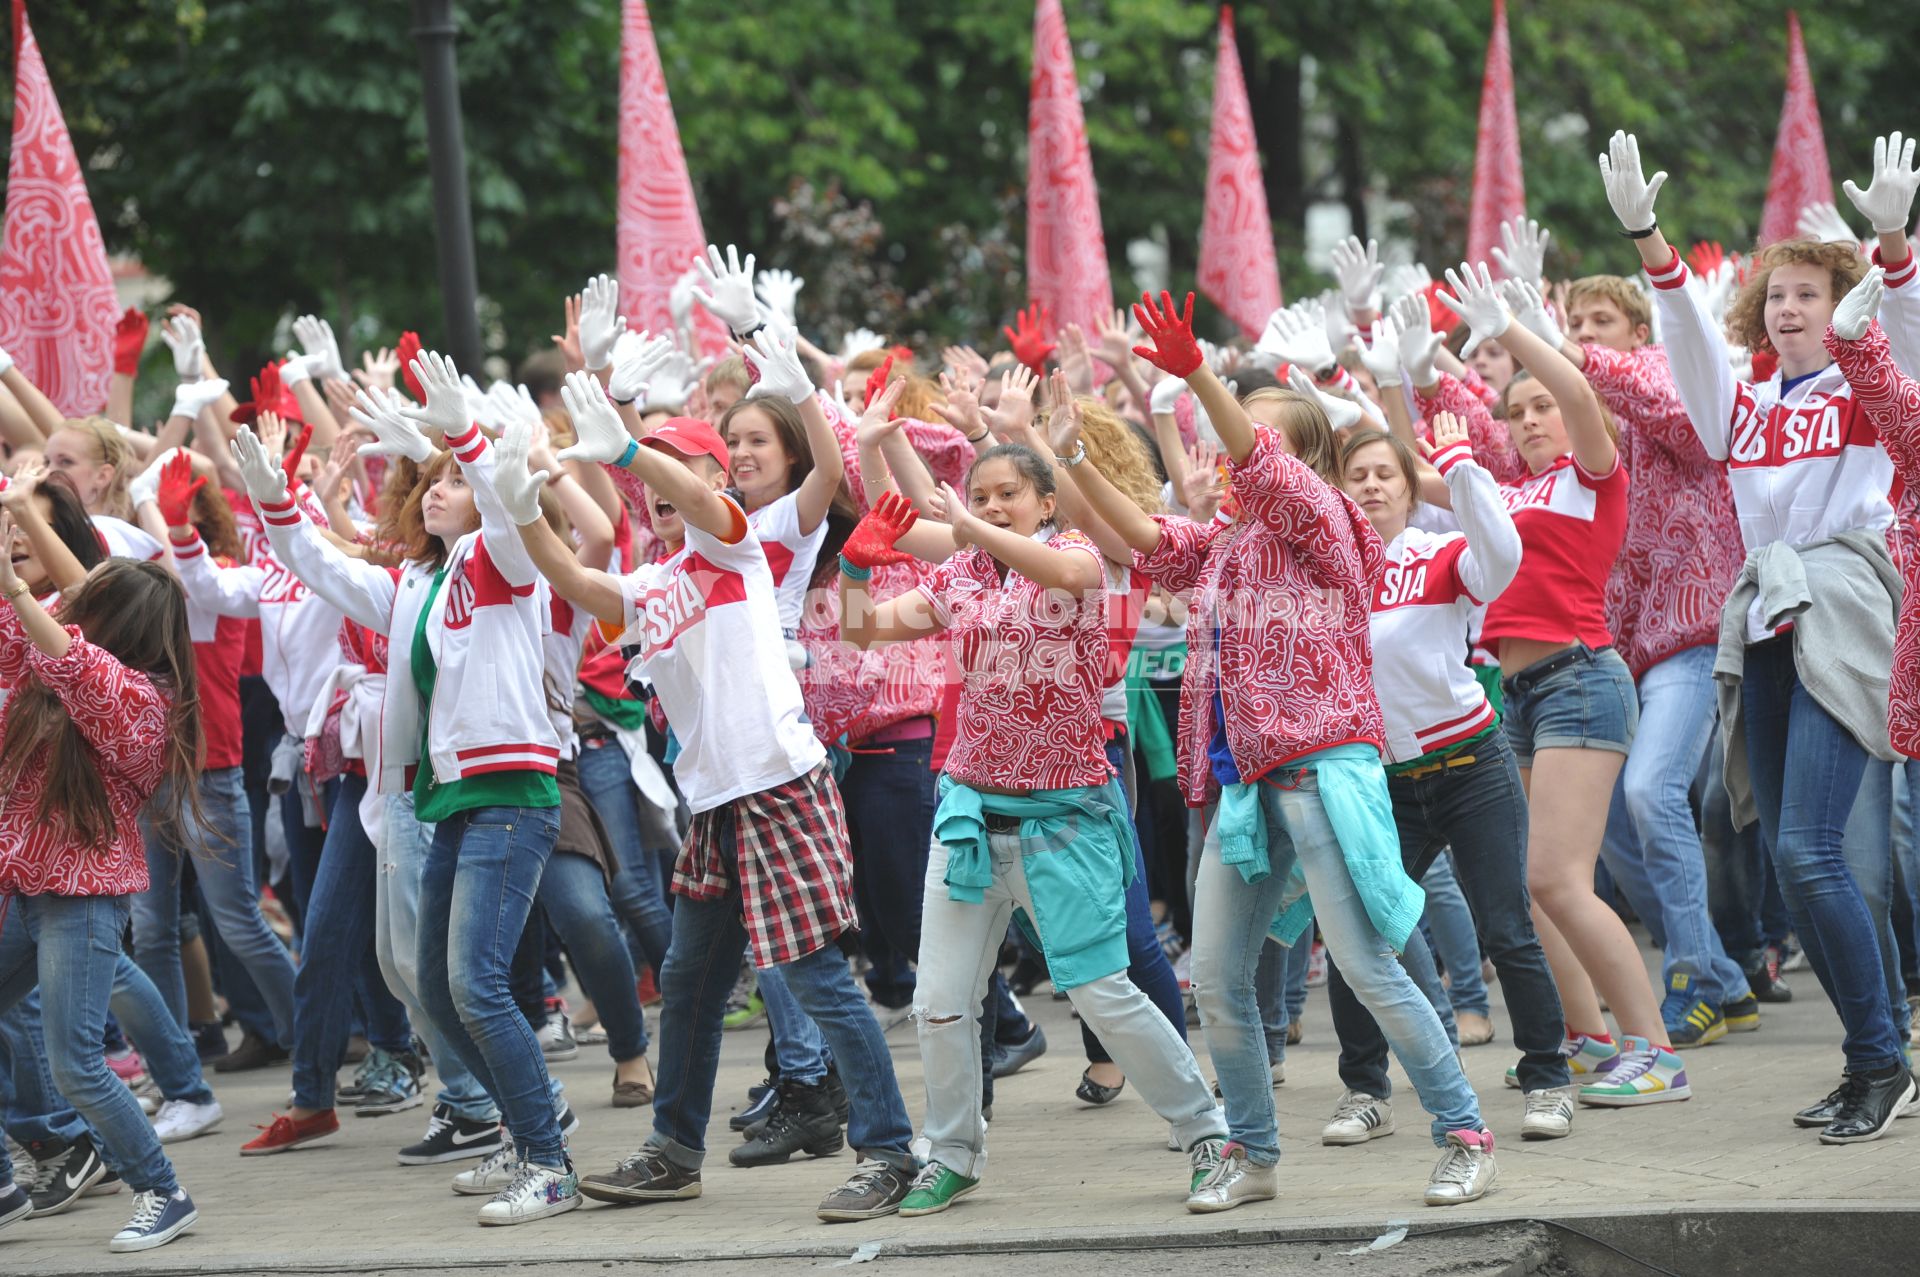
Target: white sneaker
1358,1118
490,1176
534,1192
1465,1171
556,1038
1230,1181
1279,1072
183,1119
1549,1116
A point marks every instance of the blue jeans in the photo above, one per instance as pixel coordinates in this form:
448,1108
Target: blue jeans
482,873
396,944
1737,867
1804,809
606,777
1230,921
223,870
709,940
889,795
70,947
168,1052
799,1050
1906,866
1450,931
573,892
32,1107
1652,845
1868,850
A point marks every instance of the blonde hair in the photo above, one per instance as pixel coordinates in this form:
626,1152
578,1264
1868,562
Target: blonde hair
114,451
1305,424
731,371
1630,301
1118,452
1747,317
917,400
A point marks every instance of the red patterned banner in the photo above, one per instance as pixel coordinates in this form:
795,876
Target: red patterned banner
1498,189
658,222
1800,176
57,305
1066,253
1238,272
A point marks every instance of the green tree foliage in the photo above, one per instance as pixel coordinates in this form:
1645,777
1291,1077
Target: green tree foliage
269,157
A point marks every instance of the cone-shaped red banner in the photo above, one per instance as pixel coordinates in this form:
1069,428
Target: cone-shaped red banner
1066,253
658,223
57,307
1238,272
1800,175
1498,190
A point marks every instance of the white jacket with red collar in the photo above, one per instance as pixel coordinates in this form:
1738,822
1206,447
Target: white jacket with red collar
489,710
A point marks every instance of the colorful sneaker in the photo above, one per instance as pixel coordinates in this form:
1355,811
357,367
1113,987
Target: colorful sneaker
1317,966
1358,1118
1465,1171
1586,1056
157,1220
875,1189
391,1088
1646,1074
350,1094
934,1189
1765,979
1742,1014
745,1013
492,1175
647,1176
1232,1181
1205,1156
126,1064
534,1192
1690,1020
183,1119
1549,1116
452,1138
285,1132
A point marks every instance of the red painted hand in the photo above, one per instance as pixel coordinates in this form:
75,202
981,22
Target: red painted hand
871,544
1174,350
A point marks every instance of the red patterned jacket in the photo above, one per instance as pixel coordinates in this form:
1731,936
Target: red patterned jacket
123,717
1683,546
1492,441
1288,589
1891,400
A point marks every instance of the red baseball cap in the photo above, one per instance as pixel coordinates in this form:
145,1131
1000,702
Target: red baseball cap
690,437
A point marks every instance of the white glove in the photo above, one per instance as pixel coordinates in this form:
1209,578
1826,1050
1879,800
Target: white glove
1740,359
509,404
1419,343
1888,200
1857,309
1382,358
6,360
446,406
479,406
1822,221
1475,300
1403,278
672,383
315,336
775,358
1344,414
1717,290
1165,394
1525,253
1530,308
195,397
635,365
780,290
680,299
729,290
1293,336
1358,269
518,490
182,336
859,342
265,481
396,436
599,321
596,426
296,368
1340,330
1628,191
145,486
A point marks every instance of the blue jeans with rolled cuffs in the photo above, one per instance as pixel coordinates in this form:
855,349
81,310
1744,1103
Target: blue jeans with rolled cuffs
606,777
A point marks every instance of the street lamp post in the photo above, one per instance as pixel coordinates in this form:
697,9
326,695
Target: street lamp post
434,30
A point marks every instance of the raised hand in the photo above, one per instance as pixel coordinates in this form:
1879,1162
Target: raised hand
144,488
129,341
780,290
871,545
1821,221
1014,412
1165,394
1857,309
515,482
194,397
966,361
1530,308
1333,316
1028,339
1524,251
315,336
1063,416
1116,337
962,407
776,358
1357,267
1382,357
446,406
1204,486
265,481
729,287
377,368
598,432
951,509
600,321
394,435
512,403
181,333
177,488
1419,343
859,342
1717,287
1630,193
636,363
878,419
672,383
1343,414
1475,300
877,380
1174,349
1075,357
1294,337
1447,430
680,299
1887,202
1405,278
567,342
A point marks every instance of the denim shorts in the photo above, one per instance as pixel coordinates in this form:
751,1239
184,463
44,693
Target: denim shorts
1588,702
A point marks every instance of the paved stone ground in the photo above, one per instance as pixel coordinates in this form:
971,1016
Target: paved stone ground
1062,1176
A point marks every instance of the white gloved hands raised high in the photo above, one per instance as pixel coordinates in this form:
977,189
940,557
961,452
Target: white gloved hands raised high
1357,267
1523,254
776,359
1475,299
1419,341
1628,191
729,287
1382,356
1888,200
394,435
1344,414
1856,311
600,322
315,336
265,481
1821,221
598,431
1530,308
517,486
182,337
779,290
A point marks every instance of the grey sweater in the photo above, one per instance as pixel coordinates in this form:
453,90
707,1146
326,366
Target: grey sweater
1842,596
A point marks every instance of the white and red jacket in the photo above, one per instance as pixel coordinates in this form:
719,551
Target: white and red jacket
1423,611
1285,592
1805,464
1683,539
219,642
298,629
489,710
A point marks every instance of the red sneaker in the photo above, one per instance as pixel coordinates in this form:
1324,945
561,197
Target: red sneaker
648,990
288,1132
126,1065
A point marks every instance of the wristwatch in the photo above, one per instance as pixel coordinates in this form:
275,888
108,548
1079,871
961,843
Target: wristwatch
1079,455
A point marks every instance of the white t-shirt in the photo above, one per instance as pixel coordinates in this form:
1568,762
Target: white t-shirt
707,626
791,554
125,540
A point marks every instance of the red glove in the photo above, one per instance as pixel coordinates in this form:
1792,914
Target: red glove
1706,257
406,352
1028,337
871,545
876,381
178,487
294,456
129,340
1174,350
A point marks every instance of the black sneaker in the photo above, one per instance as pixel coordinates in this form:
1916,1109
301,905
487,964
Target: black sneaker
254,1052
875,1189
804,1123
451,1138
209,1040
15,1203
1010,1058
1765,980
1742,1014
1821,1112
109,1185
836,1093
761,1101
1868,1104
647,1176
59,1183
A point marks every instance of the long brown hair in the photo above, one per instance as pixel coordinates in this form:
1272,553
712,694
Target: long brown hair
842,514
411,540
213,520
137,612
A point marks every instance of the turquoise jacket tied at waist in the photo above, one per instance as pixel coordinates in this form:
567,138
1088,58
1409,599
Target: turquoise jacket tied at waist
1353,790
1076,847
